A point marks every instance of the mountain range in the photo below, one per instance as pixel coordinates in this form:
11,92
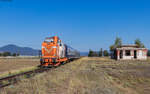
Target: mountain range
26,51
21,50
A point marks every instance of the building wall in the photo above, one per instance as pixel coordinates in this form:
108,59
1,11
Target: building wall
141,55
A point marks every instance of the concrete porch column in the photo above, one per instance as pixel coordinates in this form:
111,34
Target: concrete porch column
118,54
124,53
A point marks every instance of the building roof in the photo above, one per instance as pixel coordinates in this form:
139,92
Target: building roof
131,49
129,45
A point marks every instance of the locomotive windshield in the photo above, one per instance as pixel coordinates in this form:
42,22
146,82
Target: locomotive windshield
49,40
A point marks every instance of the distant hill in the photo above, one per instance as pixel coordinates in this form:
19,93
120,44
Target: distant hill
21,50
26,50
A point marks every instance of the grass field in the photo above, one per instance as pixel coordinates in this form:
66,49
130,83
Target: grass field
15,65
89,76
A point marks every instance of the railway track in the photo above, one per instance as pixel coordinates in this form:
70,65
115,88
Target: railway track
13,79
9,80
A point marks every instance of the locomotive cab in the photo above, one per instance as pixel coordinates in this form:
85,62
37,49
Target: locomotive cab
52,52
55,52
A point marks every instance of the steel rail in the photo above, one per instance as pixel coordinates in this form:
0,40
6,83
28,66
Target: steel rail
13,78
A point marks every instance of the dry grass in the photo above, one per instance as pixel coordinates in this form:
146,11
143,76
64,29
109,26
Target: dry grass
8,65
18,71
89,76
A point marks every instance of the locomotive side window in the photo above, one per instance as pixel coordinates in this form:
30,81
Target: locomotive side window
59,42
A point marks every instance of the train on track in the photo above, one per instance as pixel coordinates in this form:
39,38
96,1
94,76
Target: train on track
54,52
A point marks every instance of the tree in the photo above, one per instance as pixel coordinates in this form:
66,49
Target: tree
90,53
111,47
17,54
1,54
106,53
40,53
14,54
95,54
139,43
148,54
6,54
118,43
101,52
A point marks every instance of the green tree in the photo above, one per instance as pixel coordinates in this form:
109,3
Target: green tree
148,54
90,53
95,54
139,43
101,52
14,54
6,54
106,53
118,43
17,54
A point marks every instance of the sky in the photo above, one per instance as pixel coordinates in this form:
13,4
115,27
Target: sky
81,24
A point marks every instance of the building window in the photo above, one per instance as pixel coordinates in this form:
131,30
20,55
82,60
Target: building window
140,53
143,53
128,53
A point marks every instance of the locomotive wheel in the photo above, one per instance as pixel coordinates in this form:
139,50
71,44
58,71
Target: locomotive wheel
63,63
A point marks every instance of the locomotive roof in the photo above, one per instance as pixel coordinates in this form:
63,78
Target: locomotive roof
51,37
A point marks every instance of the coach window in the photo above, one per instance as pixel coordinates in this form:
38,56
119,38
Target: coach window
128,53
59,43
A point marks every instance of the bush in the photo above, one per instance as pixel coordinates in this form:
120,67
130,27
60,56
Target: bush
101,52
1,54
14,54
106,53
92,54
148,54
6,54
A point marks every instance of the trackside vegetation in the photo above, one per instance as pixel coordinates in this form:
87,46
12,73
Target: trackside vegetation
4,54
88,75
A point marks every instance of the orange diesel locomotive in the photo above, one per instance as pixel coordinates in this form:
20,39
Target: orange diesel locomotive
55,52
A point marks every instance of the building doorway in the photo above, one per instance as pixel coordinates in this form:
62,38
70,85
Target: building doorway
135,54
121,54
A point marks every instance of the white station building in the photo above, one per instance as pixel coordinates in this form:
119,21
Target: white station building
130,52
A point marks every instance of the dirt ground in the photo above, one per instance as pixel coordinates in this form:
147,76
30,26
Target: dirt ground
89,76
9,64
